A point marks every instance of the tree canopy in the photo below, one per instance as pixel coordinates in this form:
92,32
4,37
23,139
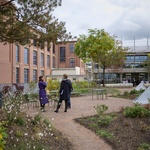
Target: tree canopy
19,18
102,48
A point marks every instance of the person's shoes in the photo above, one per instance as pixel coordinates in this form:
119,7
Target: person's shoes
65,110
56,111
43,110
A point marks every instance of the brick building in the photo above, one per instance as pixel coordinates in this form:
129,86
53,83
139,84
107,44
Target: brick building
22,64
66,57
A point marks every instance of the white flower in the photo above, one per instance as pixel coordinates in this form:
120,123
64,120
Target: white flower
26,134
40,134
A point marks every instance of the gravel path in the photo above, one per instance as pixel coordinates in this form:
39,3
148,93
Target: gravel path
80,137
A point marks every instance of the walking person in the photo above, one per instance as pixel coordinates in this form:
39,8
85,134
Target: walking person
69,102
42,93
64,91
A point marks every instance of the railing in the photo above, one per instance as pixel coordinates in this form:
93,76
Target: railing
12,87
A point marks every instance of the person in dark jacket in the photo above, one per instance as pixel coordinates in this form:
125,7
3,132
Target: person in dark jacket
65,90
69,102
42,93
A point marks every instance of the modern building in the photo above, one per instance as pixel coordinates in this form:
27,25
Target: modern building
133,70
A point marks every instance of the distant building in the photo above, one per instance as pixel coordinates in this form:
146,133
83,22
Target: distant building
67,62
133,69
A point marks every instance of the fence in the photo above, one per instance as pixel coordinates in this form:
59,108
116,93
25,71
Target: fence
12,87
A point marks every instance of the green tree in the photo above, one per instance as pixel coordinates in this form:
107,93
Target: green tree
19,18
101,48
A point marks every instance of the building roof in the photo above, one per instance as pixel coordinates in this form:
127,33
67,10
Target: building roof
138,49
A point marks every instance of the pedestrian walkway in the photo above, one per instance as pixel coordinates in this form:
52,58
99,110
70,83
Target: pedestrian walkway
80,137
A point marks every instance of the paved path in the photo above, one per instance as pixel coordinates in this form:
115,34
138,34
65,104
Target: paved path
80,137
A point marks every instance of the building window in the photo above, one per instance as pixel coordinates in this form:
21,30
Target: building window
42,45
26,75
48,46
34,57
17,53
26,56
71,62
48,61
42,72
35,41
17,75
53,62
53,48
62,53
71,48
34,75
42,60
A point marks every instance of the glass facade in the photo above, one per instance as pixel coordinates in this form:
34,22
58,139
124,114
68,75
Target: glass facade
135,61
137,58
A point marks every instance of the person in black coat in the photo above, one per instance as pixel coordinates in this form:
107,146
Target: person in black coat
65,90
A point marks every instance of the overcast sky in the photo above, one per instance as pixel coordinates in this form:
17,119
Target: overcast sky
128,19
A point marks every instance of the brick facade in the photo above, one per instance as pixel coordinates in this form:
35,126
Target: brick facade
9,65
68,56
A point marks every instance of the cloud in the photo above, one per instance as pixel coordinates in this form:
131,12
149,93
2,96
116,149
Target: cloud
125,18
132,23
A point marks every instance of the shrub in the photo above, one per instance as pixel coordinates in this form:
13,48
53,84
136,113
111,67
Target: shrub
32,86
144,146
11,105
101,109
104,134
37,118
133,92
53,85
20,120
137,111
104,120
3,136
126,94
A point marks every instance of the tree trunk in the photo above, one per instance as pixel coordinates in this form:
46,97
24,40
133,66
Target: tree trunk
104,77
